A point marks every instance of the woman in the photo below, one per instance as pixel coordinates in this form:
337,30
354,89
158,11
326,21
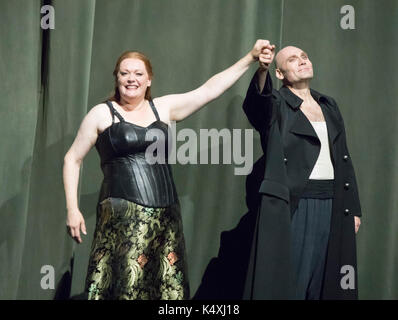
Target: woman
138,247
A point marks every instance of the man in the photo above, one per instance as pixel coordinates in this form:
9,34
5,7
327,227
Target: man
304,244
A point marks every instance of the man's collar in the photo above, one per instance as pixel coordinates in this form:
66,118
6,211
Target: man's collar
295,101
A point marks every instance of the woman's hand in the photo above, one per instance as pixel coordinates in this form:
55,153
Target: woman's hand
75,223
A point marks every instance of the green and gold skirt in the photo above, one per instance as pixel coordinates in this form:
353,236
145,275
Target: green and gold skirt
137,253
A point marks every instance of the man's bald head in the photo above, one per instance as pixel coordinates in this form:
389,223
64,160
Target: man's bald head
284,54
293,65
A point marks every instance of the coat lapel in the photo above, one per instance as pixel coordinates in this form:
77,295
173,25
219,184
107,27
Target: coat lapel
333,125
301,125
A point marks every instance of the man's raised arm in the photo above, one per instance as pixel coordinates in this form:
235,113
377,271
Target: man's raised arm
258,101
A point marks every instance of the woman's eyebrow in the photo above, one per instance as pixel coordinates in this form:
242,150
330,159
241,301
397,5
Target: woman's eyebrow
127,70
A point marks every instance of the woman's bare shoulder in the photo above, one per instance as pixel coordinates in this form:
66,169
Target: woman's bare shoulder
100,112
99,109
100,116
162,101
162,106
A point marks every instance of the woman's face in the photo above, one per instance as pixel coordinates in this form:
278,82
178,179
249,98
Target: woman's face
133,79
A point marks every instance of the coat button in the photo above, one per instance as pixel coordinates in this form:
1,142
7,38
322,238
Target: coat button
347,212
346,185
285,160
345,157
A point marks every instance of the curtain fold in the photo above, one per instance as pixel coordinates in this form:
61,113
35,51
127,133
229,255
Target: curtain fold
20,52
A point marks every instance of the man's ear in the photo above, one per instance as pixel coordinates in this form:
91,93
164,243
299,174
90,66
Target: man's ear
279,74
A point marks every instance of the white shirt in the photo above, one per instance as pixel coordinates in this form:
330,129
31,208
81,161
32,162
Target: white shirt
323,168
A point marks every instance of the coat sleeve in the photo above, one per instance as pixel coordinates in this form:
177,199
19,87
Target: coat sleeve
258,106
354,202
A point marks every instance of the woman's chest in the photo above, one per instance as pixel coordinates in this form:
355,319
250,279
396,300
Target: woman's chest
127,138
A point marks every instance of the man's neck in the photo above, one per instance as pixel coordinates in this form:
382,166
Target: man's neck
301,89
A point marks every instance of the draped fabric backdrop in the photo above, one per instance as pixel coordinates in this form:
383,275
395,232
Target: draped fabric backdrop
51,78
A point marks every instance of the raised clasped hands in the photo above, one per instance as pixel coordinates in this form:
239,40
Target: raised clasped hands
264,52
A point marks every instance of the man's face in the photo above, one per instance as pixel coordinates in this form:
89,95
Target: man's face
293,65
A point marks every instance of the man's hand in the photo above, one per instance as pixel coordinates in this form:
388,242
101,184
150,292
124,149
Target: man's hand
259,48
266,56
357,223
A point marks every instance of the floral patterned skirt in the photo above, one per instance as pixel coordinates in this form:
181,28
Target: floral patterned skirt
137,253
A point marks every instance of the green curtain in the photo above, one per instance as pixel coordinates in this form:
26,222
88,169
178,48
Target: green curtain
51,78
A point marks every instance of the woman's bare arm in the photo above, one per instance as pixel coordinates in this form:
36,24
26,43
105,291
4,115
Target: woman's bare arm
84,141
183,105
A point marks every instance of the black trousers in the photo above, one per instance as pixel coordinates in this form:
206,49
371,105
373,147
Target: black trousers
309,238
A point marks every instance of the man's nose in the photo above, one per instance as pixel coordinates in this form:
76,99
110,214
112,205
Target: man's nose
302,61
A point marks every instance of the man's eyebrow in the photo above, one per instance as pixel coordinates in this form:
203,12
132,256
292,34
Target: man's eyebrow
292,56
295,55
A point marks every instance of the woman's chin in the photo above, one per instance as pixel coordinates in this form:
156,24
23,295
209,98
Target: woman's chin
129,96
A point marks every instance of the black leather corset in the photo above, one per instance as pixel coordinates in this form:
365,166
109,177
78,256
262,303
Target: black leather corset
127,173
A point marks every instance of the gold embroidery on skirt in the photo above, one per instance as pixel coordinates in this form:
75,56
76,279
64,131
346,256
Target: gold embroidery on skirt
137,253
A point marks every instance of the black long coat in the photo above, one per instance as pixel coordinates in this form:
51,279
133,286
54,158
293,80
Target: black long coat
291,148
